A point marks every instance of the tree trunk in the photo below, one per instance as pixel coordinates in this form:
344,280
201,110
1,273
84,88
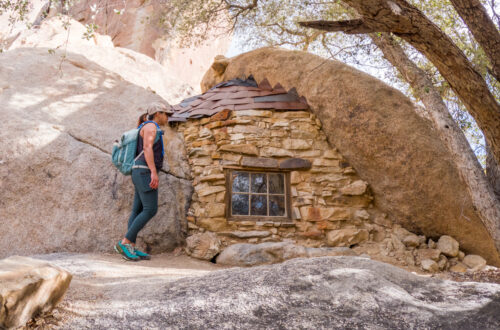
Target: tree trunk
483,29
492,171
481,192
410,24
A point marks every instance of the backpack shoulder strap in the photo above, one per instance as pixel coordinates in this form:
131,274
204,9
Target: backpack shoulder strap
149,121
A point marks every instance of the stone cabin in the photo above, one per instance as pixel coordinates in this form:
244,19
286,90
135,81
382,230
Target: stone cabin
263,170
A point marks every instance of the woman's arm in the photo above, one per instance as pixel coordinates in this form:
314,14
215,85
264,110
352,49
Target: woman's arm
149,138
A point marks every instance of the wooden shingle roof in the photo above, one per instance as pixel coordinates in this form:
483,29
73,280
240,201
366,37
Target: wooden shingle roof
238,94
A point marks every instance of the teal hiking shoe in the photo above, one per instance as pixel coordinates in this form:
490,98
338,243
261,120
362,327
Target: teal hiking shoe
127,251
142,255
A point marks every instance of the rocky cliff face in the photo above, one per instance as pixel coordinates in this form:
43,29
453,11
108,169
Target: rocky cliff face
61,112
137,25
134,25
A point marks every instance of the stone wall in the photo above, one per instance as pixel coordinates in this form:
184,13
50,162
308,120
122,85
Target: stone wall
330,205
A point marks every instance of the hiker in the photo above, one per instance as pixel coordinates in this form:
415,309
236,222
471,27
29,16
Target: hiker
145,178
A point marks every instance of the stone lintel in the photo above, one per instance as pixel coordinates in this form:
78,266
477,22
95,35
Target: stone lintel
295,164
260,162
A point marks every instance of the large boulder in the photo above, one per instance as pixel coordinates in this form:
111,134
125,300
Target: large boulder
312,293
29,287
61,113
376,128
246,254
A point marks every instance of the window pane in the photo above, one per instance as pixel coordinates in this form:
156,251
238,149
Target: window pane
239,204
276,183
259,183
240,182
276,205
259,205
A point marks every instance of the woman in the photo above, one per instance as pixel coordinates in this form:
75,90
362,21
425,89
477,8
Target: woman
145,178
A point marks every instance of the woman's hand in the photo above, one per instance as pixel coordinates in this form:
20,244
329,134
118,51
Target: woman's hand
154,180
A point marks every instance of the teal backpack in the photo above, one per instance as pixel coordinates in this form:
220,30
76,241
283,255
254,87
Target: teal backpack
123,154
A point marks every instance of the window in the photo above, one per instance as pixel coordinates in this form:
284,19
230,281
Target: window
258,195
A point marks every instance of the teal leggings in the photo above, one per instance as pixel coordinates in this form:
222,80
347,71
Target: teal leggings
145,202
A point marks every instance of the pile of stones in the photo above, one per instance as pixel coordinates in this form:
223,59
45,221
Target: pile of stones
442,254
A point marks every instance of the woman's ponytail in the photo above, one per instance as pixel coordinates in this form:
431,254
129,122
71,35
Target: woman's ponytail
142,119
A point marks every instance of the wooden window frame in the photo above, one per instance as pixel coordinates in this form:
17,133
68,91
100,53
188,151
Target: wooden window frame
229,190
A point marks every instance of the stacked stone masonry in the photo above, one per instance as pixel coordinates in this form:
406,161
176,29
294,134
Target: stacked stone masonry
330,204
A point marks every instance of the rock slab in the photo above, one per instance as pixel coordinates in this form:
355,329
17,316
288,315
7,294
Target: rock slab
314,293
244,254
29,287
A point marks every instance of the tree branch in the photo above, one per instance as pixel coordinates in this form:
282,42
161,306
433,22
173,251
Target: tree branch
354,26
483,29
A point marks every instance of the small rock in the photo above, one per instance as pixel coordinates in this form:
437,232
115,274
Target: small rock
355,188
409,258
400,232
442,262
448,246
458,268
411,240
432,254
346,237
474,262
429,265
378,235
461,255
396,243
431,244
203,245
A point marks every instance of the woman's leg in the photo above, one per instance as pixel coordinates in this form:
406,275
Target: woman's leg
136,208
149,201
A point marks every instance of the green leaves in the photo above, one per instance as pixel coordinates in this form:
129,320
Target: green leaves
90,31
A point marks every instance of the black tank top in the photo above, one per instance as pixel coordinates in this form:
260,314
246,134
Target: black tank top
157,151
